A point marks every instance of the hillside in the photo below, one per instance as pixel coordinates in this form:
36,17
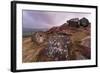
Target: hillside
77,49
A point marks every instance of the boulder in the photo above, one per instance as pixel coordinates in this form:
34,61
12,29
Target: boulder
84,22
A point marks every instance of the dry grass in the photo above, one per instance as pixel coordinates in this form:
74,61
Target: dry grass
30,50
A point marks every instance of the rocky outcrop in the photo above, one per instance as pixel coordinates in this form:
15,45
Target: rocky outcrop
59,38
76,22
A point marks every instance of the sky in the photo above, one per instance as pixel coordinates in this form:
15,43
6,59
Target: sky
47,19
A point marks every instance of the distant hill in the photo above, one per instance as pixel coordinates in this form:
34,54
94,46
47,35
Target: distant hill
29,31
34,29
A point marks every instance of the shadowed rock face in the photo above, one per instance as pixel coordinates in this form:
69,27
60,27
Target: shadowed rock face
86,42
86,47
74,22
84,22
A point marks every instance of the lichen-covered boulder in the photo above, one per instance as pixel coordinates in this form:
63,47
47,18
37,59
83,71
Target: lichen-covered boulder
57,47
39,37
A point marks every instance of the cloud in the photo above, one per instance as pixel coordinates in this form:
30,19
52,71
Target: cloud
47,19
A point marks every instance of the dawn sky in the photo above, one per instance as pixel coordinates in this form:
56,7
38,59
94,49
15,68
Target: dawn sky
47,19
